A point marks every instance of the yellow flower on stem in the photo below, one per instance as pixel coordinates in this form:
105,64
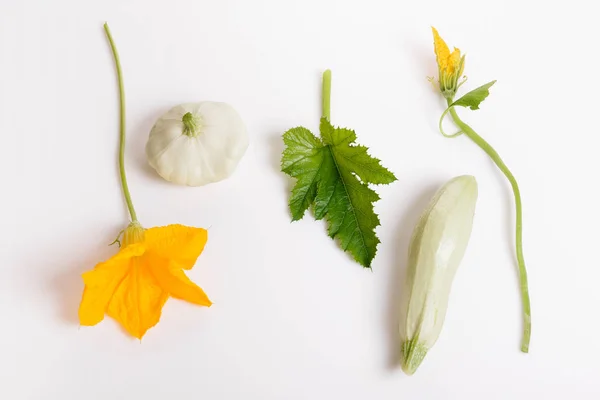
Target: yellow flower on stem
133,286
450,65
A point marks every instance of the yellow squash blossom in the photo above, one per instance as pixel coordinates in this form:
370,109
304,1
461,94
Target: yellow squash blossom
450,65
133,286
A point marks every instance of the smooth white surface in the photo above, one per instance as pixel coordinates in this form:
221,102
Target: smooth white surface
294,318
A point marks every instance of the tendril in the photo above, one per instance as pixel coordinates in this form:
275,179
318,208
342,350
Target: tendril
453,135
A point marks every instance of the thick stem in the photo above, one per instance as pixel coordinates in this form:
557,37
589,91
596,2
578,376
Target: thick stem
121,126
485,146
327,94
191,124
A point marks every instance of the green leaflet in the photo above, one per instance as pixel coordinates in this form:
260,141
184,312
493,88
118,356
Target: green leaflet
474,97
332,175
302,159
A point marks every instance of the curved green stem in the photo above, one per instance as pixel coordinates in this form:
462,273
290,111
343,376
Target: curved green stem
453,135
327,94
485,146
121,126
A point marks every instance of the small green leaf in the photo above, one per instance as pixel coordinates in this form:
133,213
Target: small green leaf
474,97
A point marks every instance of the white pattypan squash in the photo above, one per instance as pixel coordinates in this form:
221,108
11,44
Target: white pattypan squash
197,143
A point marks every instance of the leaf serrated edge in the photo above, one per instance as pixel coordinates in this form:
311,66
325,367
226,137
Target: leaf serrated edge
362,236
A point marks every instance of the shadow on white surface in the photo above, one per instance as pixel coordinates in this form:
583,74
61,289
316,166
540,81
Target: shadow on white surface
136,146
397,274
66,284
276,146
422,58
509,223
67,287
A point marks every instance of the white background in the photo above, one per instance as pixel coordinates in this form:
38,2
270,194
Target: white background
294,317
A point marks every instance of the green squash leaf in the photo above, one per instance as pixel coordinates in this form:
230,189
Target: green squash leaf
474,97
333,174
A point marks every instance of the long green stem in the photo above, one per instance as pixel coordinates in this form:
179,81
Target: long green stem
327,94
485,146
121,127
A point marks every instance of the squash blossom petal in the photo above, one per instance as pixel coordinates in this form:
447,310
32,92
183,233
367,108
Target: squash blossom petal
450,65
133,286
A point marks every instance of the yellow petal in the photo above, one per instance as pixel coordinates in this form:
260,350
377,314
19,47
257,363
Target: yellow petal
174,281
101,283
138,301
181,244
441,49
454,61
